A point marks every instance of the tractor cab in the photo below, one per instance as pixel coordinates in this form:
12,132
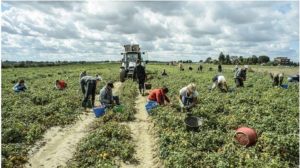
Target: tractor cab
130,56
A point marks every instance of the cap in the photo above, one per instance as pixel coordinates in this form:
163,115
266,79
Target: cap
98,77
110,84
246,66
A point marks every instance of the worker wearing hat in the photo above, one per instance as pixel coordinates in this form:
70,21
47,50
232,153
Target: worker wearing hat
240,76
220,82
188,96
88,87
106,96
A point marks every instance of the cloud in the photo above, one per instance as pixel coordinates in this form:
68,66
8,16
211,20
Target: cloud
97,30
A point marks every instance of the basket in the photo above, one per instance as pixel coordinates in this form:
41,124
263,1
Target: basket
245,136
193,123
148,86
99,111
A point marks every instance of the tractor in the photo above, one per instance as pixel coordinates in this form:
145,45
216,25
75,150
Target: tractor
130,56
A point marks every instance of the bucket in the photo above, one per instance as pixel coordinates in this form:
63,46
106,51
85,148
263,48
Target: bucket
245,136
150,105
193,123
148,86
118,109
99,111
284,86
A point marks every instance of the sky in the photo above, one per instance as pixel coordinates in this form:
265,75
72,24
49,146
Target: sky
179,30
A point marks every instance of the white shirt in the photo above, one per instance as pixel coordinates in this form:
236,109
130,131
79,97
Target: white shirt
221,79
183,92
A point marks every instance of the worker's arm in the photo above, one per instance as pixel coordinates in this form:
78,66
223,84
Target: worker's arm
180,101
213,86
167,99
16,87
102,97
159,99
238,73
82,83
194,102
25,87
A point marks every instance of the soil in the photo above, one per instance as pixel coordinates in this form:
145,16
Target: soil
146,149
59,144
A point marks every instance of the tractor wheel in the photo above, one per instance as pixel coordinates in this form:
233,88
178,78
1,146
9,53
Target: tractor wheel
122,75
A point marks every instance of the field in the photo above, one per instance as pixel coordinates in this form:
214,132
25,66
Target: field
272,112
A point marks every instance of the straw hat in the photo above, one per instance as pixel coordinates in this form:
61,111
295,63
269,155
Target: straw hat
191,87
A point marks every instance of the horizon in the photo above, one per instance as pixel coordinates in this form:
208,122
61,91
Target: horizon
167,31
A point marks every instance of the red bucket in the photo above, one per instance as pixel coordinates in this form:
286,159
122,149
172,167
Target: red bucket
246,136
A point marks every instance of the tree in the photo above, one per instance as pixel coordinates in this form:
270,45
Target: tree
208,60
221,58
241,59
263,59
234,59
254,59
227,59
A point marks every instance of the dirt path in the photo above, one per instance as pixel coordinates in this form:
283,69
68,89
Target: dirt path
60,143
146,150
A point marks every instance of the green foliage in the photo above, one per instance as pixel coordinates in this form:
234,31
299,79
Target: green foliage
222,58
109,142
272,112
263,59
105,143
27,115
127,94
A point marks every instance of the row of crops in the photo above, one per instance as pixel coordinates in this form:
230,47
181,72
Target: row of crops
26,116
109,142
272,112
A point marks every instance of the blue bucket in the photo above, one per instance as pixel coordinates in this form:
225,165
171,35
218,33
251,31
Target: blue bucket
285,86
99,111
150,105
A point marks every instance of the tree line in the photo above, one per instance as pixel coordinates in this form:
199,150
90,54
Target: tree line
235,60
26,64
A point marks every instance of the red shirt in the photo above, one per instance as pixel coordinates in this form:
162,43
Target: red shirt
61,84
158,96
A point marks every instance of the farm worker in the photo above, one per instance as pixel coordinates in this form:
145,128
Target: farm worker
181,67
88,87
220,82
188,96
20,86
82,74
277,78
200,68
159,95
235,68
164,73
60,84
106,96
219,68
139,74
240,76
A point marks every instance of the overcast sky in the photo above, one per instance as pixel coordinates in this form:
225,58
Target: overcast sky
92,31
